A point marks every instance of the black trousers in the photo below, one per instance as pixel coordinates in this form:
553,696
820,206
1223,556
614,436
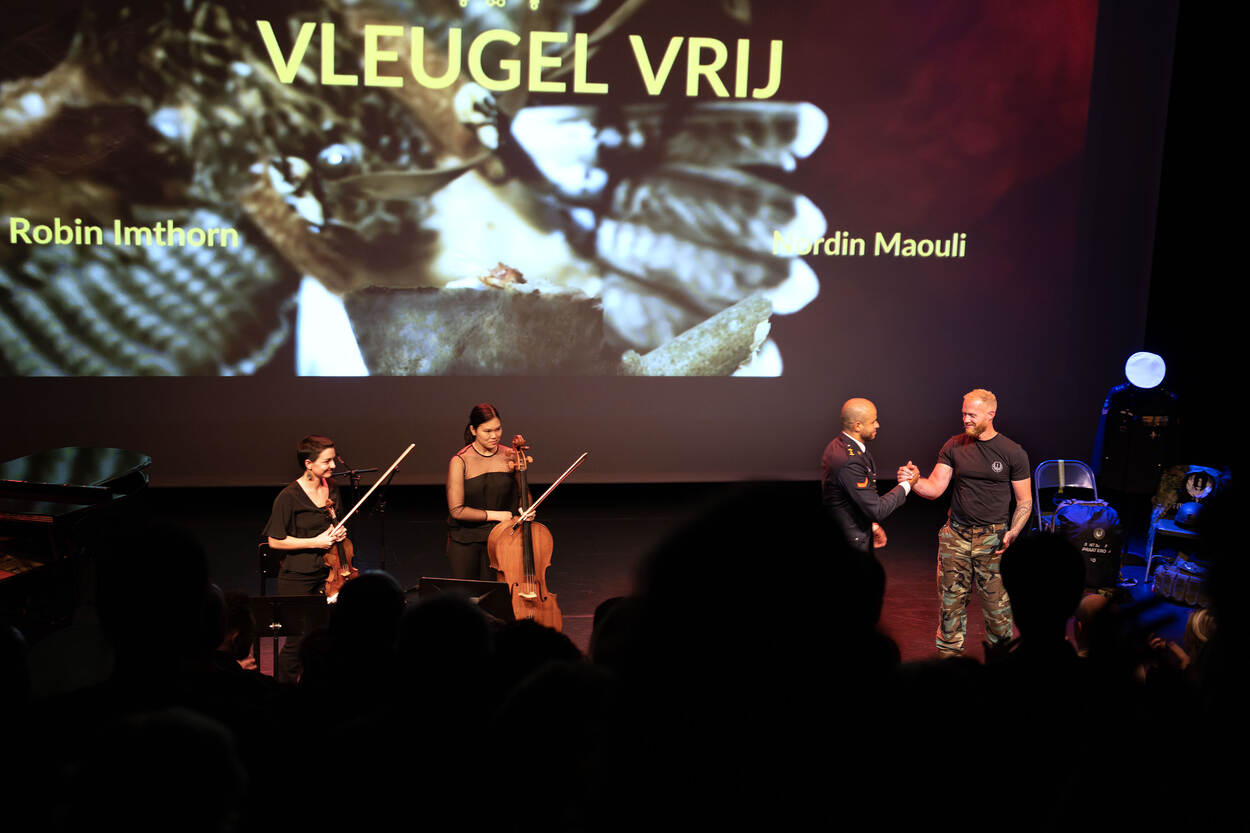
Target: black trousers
287,665
469,561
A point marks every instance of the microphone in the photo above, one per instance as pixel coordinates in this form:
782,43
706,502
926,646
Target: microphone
347,470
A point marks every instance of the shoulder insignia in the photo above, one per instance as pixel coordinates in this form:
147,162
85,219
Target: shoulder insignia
863,484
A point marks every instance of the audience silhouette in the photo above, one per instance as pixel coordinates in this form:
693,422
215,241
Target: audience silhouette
706,701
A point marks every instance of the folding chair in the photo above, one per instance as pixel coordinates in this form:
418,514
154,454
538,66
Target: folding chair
1061,479
268,563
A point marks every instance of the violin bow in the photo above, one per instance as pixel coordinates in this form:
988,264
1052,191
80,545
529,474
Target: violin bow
528,515
376,483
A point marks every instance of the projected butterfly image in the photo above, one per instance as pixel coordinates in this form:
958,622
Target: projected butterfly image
189,190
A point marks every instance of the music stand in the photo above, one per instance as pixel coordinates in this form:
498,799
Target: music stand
493,597
279,616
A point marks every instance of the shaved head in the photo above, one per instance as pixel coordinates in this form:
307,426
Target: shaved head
857,410
859,418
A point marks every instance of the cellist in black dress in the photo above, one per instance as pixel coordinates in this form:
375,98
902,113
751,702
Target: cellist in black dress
481,491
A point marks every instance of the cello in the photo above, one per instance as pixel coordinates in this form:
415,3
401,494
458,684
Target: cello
520,549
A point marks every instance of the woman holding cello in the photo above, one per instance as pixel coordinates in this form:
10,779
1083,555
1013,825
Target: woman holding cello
301,529
484,481
481,491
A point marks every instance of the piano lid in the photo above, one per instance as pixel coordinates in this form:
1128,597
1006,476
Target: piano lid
43,486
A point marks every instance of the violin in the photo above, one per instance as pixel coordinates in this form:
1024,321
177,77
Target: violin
339,560
520,550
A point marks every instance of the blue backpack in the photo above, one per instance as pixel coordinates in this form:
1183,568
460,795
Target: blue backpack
1094,528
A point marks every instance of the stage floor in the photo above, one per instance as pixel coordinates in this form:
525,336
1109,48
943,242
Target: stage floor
602,533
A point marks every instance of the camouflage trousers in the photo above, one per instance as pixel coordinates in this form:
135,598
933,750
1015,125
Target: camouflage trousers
966,554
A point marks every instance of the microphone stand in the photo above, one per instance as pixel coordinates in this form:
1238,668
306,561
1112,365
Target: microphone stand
379,509
385,479
353,475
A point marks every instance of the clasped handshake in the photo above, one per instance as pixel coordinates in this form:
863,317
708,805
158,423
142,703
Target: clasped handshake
909,473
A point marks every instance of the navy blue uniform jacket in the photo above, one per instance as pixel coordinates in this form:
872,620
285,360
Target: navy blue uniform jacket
849,491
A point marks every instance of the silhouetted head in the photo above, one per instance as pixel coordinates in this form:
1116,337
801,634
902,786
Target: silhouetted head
154,595
615,630
442,632
757,560
368,610
576,704
316,658
14,668
1087,612
213,619
240,625
1044,576
522,647
1220,527
169,770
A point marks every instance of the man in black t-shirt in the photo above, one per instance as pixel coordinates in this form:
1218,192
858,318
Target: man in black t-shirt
988,470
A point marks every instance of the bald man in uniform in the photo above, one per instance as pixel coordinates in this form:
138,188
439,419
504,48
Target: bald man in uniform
849,479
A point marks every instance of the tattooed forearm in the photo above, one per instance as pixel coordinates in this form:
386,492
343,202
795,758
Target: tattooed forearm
1021,517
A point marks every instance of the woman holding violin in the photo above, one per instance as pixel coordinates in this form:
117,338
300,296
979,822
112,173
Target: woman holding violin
301,529
481,491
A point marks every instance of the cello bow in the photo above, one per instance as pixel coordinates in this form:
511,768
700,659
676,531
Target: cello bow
528,514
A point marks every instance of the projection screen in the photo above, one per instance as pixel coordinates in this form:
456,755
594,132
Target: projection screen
677,235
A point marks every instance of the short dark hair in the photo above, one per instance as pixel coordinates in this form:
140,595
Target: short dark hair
311,447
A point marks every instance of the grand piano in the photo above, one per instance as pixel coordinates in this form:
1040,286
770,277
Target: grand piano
51,503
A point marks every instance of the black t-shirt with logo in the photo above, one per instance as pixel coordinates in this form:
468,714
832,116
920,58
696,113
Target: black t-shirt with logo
982,479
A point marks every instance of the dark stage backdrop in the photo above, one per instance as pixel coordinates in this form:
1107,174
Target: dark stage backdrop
679,242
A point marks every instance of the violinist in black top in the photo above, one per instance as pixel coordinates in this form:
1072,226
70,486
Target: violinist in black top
301,523
481,491
301,529
849,479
